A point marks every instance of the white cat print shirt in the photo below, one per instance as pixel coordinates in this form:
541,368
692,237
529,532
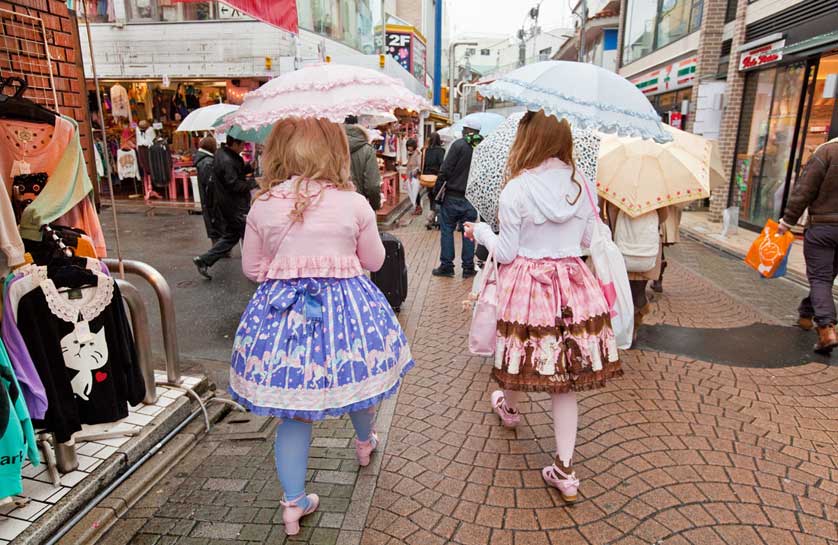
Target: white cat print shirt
83,350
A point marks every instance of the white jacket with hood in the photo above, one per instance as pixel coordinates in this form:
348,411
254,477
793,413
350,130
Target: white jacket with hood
537,219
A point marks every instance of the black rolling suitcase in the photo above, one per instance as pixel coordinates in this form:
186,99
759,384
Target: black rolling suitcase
392,278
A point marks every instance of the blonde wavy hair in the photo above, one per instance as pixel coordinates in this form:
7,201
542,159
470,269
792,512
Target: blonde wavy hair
541,137
313,151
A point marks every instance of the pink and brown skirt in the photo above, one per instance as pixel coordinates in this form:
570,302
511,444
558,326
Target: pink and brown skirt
554,328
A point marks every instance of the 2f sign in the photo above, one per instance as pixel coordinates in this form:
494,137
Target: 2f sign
398,40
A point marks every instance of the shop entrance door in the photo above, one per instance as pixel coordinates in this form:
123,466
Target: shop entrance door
820,123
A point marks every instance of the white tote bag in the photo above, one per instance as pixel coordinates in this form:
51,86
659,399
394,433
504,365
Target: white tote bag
608,265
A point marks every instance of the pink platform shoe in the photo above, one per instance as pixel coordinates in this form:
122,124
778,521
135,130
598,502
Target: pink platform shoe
291,513
364,449
568,485
509,418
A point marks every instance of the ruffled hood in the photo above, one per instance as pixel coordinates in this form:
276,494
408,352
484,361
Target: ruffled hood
547,188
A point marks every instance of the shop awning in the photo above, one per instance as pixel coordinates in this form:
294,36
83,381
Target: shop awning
824,41
278,13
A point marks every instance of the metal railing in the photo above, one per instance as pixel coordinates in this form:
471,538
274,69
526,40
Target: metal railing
166,303
142,339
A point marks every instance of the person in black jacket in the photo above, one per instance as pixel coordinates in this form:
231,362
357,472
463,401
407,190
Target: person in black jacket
455,209
233,183
204,161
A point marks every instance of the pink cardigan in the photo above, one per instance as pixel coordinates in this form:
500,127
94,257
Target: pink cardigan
338,237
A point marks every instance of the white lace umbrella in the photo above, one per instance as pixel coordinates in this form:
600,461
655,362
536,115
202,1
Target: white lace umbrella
588,96
204,119
326,91
488,165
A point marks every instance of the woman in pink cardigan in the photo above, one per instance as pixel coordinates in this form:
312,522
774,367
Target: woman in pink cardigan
318,338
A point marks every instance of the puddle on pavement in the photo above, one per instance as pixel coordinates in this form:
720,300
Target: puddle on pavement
757,345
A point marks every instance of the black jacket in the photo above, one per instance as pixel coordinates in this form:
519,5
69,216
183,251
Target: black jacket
455,169
232,188
160,159
433,160
212,218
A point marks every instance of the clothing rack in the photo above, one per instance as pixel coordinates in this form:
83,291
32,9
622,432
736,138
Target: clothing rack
24,52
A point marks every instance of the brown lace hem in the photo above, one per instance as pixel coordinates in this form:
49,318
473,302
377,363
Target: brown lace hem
533,382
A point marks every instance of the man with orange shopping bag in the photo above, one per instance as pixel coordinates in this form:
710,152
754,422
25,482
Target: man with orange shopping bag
817,190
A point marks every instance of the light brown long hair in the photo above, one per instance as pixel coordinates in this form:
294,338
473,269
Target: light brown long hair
541,137
315,151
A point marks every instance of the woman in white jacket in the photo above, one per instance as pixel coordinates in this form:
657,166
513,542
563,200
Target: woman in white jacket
554,325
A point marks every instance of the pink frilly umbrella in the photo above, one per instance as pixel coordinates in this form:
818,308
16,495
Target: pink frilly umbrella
326,91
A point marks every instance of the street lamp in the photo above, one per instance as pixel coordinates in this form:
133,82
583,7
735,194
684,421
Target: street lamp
451,62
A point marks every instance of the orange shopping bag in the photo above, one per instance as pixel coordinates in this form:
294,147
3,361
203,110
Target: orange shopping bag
768,250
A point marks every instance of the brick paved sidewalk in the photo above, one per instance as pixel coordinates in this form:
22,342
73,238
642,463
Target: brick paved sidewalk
676,452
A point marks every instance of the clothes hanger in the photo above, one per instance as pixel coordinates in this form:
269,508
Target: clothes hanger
17,107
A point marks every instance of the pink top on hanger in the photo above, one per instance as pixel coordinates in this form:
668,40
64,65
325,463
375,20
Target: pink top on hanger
29,148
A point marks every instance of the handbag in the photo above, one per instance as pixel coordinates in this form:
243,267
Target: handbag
609,266
482,335
426,180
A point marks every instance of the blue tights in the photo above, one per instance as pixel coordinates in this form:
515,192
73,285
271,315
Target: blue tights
291,451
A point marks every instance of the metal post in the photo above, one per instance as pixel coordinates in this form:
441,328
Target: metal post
584,22
107,164
438,53
452,49
167,312
142,338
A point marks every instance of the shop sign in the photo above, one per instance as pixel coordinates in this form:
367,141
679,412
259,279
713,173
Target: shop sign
398,46
671,77
762,55
408,47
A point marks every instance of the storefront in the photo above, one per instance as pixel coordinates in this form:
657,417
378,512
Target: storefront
139,113
669,89
789,108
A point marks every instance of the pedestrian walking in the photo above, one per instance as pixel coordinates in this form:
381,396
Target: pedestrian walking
364,163
233,182
413,168
204,161
817,191
317,339
670,236
639,240
454,209
554,326
432,158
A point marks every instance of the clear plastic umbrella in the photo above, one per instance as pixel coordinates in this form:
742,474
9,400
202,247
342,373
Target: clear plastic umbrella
588,96
204,119
488,165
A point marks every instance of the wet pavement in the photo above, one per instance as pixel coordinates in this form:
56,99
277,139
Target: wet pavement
680,450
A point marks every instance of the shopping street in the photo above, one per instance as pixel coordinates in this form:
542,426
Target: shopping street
678,451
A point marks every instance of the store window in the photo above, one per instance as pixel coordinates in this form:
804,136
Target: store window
673,21
767,130
640,29
653,24
350,22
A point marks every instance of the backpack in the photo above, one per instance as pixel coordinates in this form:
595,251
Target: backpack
638,240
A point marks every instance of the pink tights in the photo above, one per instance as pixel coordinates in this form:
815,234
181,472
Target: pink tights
565,421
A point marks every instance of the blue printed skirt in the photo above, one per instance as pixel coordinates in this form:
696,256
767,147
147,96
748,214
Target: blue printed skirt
315,347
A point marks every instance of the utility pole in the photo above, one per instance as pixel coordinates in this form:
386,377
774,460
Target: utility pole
583,21
452,63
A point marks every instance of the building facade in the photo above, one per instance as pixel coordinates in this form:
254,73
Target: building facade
759,76
597,26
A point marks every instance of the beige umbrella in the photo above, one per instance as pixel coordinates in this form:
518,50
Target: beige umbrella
639,176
